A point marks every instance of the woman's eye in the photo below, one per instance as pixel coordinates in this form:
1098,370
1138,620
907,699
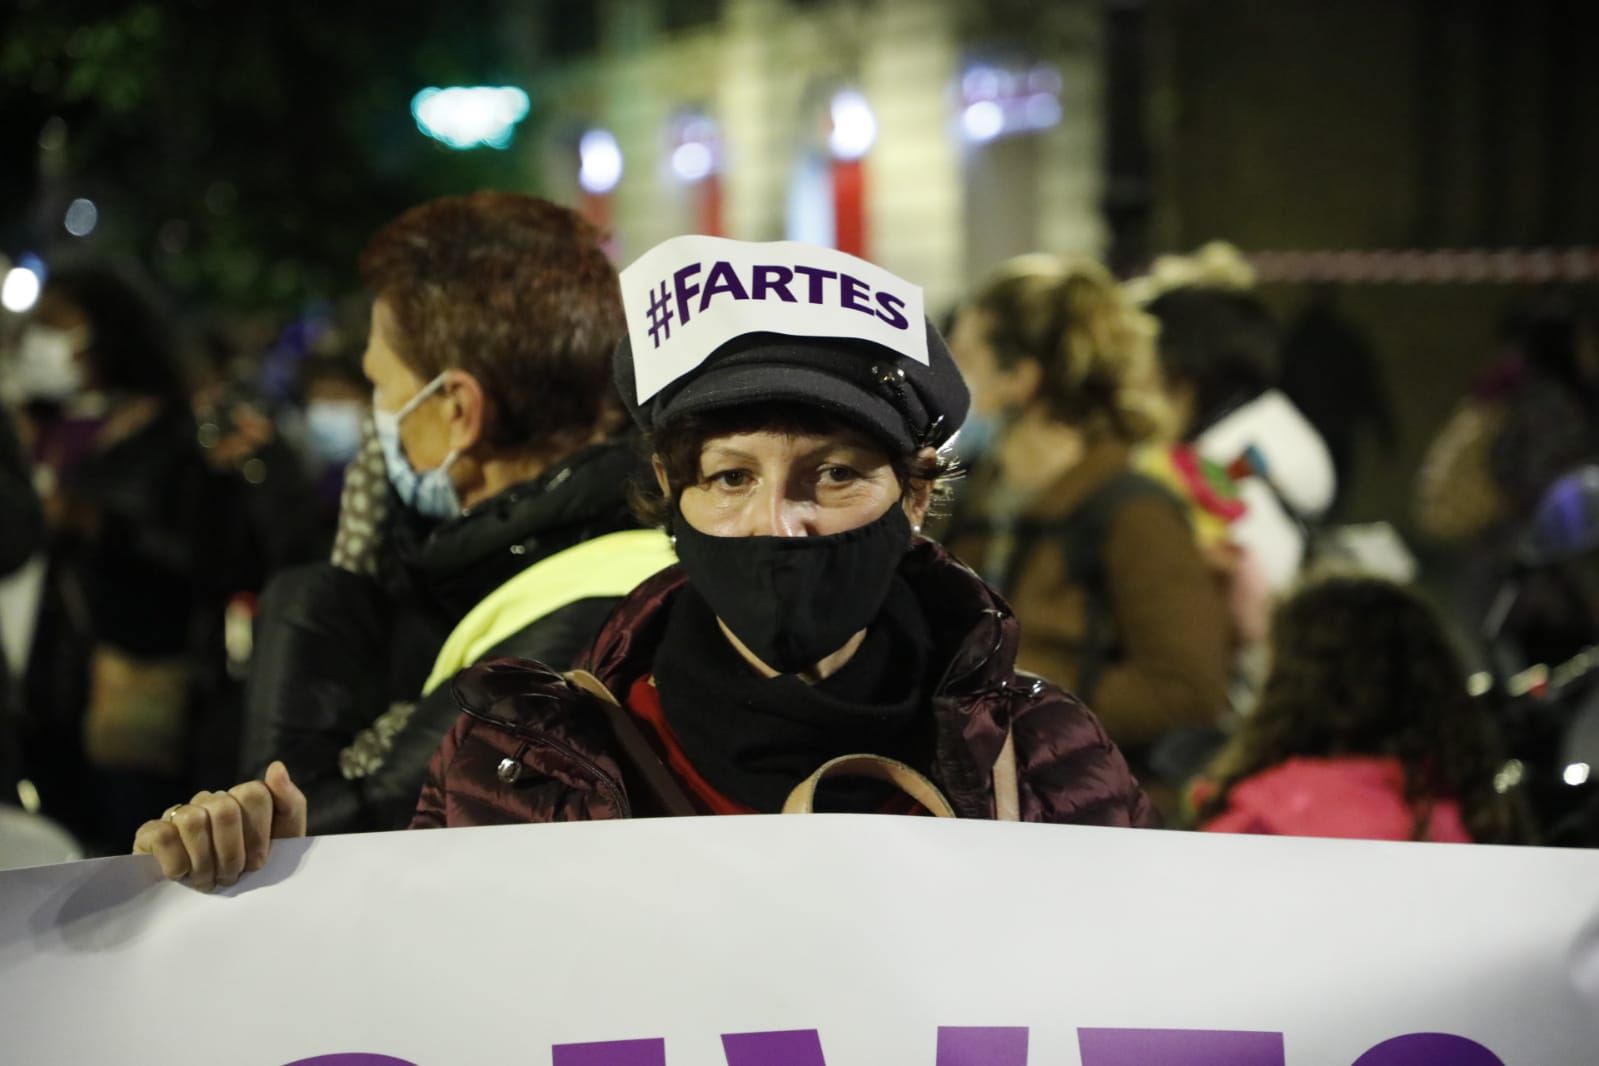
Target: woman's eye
839,475
729,479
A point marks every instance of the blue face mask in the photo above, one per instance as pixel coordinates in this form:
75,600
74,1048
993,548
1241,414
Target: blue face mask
334,427
977,437
429,493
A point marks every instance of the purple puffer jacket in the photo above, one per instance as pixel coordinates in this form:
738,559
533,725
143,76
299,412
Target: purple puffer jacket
530,747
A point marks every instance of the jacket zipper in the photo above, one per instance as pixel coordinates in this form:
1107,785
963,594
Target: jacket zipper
607,784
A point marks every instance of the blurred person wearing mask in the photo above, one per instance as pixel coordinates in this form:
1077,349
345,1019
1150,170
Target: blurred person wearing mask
1099,562
338,401
808,621
251,441
486,516
1364,729
125,491
335,420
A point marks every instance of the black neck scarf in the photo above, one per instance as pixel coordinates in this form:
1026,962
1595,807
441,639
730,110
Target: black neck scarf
755,738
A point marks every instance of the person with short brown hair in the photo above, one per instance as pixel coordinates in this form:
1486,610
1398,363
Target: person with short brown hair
514,292
493,456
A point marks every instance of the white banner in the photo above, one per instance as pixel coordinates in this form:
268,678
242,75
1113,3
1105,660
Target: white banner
688,296
804,941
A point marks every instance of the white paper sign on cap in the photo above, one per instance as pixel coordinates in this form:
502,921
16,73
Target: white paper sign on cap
688,296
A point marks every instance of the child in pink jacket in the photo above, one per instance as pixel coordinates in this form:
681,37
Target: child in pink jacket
1364,729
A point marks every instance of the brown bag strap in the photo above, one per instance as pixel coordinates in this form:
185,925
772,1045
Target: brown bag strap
637,755
803,799
1007,793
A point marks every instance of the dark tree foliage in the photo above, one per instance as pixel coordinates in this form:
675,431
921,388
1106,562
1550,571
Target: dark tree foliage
244,151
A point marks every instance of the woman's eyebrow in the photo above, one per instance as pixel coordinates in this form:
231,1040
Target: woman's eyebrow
849,443
821,448
727,452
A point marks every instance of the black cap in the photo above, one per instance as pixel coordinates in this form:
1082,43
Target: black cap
890,395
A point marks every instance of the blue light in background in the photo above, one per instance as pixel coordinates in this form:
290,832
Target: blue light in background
998,102
81,218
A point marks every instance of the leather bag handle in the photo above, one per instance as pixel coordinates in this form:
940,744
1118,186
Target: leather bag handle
803,799
1007,792
1007,796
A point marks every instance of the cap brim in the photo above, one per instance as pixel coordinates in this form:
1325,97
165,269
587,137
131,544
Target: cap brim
738,386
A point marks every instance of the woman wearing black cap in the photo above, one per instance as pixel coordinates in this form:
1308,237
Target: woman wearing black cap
808,620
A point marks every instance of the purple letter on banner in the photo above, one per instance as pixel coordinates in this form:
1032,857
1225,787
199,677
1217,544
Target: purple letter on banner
612,1053
961,1046
352,1058
1429,1049
1179,1047
793,1047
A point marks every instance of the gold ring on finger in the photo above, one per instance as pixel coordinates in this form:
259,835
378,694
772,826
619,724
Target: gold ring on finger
170,812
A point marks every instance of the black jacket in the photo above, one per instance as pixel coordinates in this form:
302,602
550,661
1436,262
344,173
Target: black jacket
21,535
341,658
21,520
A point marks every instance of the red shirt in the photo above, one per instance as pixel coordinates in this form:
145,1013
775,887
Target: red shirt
644,703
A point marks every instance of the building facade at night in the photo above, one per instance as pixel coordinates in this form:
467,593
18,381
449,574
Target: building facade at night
919,133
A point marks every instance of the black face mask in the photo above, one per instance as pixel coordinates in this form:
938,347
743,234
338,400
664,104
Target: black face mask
793,601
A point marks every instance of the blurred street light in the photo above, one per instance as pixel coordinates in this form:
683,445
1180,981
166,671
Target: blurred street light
854,125
599,162
696,146
983,121
465,118
53,135
20,290
692,161
82,216
997,102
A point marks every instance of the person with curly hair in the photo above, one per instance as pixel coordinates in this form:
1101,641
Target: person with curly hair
1098,561
1364,729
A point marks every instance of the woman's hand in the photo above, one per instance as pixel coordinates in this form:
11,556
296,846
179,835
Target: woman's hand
217,836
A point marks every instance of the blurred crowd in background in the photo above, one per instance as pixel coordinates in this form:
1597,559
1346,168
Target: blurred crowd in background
1161,468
